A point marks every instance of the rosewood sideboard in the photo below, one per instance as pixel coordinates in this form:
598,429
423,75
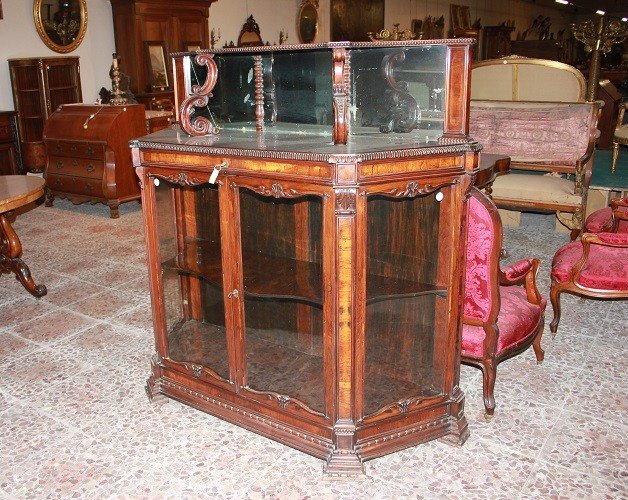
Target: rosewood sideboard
305,235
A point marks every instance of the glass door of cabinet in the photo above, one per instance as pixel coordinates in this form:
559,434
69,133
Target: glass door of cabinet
188,232
281,241
406,325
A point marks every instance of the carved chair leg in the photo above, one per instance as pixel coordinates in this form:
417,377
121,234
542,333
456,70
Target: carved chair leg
488,386
574,234
615,154
555,300
536,345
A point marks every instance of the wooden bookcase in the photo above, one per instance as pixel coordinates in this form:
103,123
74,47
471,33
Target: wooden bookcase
176,24
40,85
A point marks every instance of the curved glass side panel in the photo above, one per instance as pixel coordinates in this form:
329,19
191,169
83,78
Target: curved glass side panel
405,325
191,267
398,90
283,296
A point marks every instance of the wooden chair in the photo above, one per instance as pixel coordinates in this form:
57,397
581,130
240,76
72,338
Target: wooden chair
612,219
620,136
596,265
503,309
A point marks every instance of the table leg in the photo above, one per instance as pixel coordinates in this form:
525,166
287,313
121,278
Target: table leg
10,261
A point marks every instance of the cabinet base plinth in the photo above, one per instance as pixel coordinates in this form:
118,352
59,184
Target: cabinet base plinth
344,464
154,391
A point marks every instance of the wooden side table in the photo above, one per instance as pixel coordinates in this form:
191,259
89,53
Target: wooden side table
15,192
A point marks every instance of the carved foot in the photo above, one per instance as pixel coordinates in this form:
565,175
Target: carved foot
114,212
50,198
22,274
343,464
154,393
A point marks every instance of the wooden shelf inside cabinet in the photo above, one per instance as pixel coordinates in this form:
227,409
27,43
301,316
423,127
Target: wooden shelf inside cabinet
273,277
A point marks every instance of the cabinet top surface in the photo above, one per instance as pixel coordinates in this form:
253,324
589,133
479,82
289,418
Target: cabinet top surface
282,143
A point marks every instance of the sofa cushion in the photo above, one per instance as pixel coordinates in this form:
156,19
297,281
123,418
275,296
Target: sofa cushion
605,269
536,188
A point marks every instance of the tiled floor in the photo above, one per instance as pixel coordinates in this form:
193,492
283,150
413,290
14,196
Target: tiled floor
75,421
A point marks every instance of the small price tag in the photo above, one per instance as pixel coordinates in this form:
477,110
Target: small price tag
214,176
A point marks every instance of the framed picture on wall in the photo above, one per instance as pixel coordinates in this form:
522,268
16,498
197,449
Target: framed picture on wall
191,46
156,65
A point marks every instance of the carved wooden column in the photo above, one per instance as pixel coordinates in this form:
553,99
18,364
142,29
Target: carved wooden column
343,460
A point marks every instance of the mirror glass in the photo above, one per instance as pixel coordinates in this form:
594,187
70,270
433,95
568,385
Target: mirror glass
307,23
61,24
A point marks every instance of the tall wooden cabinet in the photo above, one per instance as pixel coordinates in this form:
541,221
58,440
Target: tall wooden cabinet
138,21
305,261
40,85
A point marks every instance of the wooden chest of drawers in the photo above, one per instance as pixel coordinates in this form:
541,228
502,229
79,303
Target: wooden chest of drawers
87,154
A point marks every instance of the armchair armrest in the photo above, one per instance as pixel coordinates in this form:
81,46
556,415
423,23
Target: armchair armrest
619,202
617,240
522,272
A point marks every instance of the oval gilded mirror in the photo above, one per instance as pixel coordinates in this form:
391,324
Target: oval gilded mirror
61,24
307,21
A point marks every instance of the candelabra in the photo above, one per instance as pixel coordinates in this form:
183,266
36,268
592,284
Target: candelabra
598,39
283,37
117,98
213,39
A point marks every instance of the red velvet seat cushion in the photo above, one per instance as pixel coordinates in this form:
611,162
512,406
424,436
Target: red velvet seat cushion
599,218
517,320
606,268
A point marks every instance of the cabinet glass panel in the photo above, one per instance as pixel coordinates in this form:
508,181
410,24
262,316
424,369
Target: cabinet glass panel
283,295
405,305
189,247
405,95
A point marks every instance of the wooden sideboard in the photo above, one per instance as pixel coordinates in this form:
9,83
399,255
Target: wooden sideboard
10,157
87,154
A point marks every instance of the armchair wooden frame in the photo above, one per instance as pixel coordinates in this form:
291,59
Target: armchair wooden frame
619,139
514,275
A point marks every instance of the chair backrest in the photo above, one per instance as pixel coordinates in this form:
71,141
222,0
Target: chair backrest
552,132
517,78
484,243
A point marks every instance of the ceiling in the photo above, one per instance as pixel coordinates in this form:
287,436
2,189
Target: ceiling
613,8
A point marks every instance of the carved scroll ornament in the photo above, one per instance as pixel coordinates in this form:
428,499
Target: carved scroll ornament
199,98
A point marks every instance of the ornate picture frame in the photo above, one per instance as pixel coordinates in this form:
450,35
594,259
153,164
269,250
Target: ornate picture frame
157,68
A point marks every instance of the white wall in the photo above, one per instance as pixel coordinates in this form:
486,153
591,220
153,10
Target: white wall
18,37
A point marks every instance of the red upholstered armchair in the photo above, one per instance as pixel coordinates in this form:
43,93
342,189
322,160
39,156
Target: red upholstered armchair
613,219
503,309
595,266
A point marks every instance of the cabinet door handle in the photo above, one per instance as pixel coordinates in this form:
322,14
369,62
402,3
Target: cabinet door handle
90,168
59,164
233,294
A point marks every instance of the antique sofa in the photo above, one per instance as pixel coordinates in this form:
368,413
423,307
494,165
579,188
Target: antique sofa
533,110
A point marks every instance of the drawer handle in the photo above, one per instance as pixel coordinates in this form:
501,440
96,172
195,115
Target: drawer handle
90,168
73,147
89,150
89,186
74,163
59,164
58,183
58,148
